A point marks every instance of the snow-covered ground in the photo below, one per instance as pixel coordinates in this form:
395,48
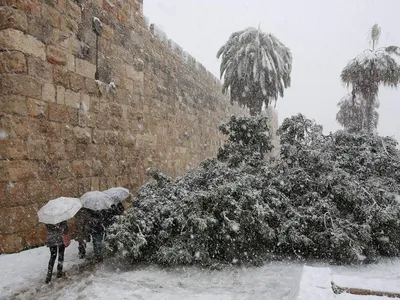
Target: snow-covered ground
22,277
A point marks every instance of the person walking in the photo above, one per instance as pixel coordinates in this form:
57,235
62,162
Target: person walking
82,231
55,242
96,229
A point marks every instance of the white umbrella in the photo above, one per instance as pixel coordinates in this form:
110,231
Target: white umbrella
96,200
58,210
118,194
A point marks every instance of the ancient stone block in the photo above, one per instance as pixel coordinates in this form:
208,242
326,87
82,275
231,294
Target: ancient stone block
123,96
69,25
73,115
22,85
111,168
74,11
36,191
107,152
85,68
12,148
82,168
22,170
49,130
47,170
37,149
98,136
39,68
85,151
108,32
77,82
85,102
58,113
12,194
12,62
13,18
51,15
48,92
70,150
10,243
61,76
40,29
84,185
56,150
11,39
34,236
111,137
91,86
56,55
64,169
71,62
69,187
94,184
14,104
55,190
72,99
82,135
60,98
30,7
36,108
97,167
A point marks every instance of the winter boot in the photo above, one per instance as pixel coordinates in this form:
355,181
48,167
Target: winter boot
60,273
48,277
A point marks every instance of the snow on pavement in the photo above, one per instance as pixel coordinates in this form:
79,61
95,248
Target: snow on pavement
26,269
22,277
23,274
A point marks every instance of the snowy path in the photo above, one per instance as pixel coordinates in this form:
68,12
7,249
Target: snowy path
23,274
269,282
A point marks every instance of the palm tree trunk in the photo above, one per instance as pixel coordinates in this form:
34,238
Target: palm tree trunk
369,113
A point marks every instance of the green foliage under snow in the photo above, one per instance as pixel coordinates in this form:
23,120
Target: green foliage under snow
333,197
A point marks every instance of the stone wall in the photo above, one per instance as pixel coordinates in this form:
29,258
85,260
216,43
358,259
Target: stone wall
64,133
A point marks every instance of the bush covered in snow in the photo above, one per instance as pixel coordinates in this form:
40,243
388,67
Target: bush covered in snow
332,197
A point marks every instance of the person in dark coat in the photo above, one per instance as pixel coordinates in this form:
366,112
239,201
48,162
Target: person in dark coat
82,230
55,242
96,229
109,214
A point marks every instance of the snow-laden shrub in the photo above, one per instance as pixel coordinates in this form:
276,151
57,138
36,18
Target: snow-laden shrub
332,197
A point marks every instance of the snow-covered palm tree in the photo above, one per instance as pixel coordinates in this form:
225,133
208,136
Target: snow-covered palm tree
255,67
369,70
352,112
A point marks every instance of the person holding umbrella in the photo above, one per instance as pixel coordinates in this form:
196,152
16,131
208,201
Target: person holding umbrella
82,230
55,242
55,215
118,195
96,202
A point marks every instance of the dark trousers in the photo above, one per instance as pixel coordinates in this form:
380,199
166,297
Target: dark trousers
97,243
82,248
53,256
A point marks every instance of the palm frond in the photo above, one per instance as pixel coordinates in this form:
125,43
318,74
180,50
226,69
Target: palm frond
254,60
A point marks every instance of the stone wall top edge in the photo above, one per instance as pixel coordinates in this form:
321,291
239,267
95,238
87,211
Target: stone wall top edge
185,56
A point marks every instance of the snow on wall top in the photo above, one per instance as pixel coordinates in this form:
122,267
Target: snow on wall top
186,58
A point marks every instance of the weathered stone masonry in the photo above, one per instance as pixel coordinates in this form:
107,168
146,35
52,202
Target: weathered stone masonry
66,134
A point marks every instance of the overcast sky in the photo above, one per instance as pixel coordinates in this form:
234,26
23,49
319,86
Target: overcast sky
323,36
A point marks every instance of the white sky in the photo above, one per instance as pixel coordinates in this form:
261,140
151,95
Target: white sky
323,36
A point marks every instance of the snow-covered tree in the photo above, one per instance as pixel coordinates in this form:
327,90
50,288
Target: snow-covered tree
247,139
332,197
255,67
352,112
372,68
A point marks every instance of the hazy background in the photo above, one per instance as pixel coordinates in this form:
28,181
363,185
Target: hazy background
323,36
